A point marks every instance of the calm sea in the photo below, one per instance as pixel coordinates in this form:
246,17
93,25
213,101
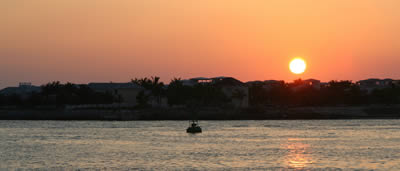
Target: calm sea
223,145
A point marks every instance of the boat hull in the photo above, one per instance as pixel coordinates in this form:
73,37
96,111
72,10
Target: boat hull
193,130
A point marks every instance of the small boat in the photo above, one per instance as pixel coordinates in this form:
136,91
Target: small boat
194,127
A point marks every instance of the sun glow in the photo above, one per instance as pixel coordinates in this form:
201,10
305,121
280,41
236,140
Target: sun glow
297,66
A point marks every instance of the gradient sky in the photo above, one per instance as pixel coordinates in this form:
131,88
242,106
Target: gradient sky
115,40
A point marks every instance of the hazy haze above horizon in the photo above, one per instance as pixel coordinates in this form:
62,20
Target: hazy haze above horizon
101,40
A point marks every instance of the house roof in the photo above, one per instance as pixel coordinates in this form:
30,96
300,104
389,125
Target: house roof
228,81
220,77
109,86
19,90
312,80
199,78
273,81
370,80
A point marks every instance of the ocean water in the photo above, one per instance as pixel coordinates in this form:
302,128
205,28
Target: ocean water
223,145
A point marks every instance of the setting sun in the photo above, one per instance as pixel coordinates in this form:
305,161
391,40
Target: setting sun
297,66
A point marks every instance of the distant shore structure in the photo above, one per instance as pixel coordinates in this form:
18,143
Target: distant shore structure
23,89
372,84
235,90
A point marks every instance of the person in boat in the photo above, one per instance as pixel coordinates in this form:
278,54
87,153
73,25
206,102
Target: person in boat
194,128
194,124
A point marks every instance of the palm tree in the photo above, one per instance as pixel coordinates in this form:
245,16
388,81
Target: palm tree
157,88
175,92
153,85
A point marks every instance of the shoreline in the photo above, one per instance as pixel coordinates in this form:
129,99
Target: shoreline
260,113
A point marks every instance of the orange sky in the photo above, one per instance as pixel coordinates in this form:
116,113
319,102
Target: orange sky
102,40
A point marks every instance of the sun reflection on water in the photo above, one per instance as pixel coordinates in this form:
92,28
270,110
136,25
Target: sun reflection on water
298,154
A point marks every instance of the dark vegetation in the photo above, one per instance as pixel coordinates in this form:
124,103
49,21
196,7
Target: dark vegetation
178,94
207,95
197,95
57,95
203,101
332,94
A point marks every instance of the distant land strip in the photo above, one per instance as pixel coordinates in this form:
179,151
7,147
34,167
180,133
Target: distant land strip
218,98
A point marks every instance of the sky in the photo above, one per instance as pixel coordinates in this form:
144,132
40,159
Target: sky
85,41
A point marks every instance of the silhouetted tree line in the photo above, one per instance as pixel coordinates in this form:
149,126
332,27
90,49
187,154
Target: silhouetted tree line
58,94
333,93
206,94
179,94
153,88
